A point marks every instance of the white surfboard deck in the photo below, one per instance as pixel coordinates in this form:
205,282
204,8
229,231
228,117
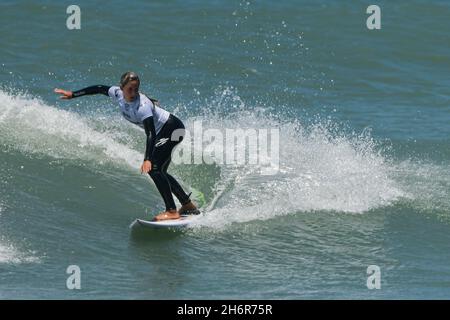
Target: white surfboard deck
183,221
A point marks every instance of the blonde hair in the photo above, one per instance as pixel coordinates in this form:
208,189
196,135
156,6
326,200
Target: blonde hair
127,77
131,76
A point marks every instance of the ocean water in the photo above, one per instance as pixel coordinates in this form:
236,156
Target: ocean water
364,156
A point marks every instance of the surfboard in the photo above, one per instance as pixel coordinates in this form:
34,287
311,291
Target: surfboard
183,221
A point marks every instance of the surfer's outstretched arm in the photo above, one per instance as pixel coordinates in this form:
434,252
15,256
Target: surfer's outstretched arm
83,92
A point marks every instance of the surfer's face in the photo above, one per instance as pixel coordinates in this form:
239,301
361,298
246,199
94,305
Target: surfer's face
131,90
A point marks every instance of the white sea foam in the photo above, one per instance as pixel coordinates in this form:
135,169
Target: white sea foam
9,254
322,168
30,125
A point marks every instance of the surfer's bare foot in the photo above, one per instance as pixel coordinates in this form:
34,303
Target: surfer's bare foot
167,215
188,208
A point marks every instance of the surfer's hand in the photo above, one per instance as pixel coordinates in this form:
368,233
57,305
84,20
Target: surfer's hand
65,94
146,166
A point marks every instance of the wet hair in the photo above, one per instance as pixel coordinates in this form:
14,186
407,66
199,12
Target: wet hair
127,77
131,76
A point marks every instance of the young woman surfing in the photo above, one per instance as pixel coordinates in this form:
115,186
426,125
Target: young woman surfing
164,131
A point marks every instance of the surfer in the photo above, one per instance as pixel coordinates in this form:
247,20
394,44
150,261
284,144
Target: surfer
163,130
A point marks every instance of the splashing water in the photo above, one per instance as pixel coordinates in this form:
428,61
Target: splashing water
321,166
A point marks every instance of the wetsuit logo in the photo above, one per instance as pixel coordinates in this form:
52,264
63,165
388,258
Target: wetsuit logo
161,142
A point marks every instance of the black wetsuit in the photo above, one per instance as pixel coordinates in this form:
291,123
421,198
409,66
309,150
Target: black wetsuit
158,148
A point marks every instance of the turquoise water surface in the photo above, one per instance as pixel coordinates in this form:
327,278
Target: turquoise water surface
364,150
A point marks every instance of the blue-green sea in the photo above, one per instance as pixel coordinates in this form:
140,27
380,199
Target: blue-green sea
364,150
